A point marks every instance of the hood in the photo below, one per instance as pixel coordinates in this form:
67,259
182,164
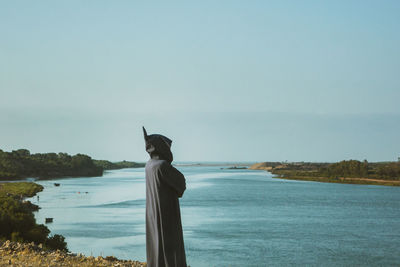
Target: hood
158,146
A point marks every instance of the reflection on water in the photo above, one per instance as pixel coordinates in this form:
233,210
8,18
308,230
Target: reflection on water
232,218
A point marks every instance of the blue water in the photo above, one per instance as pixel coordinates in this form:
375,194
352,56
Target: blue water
232,218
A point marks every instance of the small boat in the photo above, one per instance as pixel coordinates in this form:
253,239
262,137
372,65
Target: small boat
56,184
49,220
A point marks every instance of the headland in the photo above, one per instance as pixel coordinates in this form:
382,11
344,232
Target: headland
346,171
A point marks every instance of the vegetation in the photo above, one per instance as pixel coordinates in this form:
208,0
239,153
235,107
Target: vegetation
108,165
350,168
21,189
28,254
346,171
17,222
21,164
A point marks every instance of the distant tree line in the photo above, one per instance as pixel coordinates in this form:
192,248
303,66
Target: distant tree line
108,165
357,169
17,222
342,169
21,163
389,170
346,168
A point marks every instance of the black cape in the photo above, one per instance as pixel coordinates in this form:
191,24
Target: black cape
164,186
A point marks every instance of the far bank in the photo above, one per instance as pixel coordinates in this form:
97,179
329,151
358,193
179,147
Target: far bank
346,172
20,164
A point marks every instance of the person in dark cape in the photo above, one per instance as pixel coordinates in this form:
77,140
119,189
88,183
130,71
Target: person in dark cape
164,186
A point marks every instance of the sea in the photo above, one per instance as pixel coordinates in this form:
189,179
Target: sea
231,217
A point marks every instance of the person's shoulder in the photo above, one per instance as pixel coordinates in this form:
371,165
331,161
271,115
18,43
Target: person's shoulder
164,163
158,163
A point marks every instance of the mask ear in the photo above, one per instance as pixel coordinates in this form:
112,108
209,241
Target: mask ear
144,133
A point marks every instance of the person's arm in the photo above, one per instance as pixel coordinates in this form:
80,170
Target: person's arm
173,178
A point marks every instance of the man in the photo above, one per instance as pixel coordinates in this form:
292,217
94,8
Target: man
164,186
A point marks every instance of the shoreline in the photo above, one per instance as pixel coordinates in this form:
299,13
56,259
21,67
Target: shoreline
27,253
341,180
316,172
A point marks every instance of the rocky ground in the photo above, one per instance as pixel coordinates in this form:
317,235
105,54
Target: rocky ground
28,254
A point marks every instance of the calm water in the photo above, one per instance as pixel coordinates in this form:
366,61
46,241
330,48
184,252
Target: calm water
232,218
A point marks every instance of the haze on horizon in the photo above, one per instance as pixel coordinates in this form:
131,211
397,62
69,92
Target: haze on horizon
225,80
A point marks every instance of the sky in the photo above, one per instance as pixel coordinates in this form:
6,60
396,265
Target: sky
225,80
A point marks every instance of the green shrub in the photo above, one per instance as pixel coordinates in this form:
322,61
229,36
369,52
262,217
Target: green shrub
17,222
56,242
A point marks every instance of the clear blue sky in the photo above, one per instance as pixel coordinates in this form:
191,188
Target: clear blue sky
225,80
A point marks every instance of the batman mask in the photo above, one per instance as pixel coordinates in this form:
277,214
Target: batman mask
158,146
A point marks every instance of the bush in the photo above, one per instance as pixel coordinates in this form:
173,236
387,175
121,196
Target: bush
17,222
56,242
